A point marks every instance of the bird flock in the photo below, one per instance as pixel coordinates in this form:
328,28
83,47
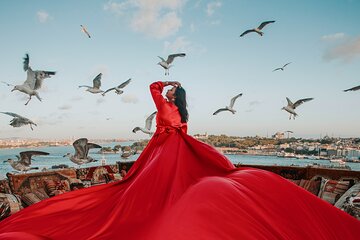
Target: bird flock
35,78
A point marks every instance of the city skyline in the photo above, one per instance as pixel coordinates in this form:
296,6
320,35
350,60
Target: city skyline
320,39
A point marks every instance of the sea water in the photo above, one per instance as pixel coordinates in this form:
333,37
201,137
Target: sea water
56,154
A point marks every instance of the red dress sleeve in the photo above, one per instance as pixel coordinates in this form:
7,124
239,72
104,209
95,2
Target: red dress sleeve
156,89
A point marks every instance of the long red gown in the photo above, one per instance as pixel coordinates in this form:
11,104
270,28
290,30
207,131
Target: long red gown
180,188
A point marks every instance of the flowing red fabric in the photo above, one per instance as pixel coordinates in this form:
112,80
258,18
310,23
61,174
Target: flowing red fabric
180,188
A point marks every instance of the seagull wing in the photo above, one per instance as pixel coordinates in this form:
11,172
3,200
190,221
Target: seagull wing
85,31
13,115
136,129
110,89
80,148
246,32
90,146
26,62
25,157
97,81
263,24
30,79
289,102
301,101
220,110
171,57
277,69
40,76
352,89
232,101
286,64
161,59
124,84
84,86
7,83
149,120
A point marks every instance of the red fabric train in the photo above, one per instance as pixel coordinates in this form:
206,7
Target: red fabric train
180,188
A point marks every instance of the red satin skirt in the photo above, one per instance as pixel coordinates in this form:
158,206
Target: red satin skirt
180,188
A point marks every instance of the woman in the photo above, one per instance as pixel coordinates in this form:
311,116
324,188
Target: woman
180,188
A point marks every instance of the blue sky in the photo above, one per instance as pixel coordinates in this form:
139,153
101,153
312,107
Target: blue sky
320,38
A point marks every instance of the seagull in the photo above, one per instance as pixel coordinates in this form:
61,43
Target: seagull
166,64
17,165
118,88
83,29
96,85
258,29
19,121
290,108
230,107
127,152
33,81
148,123
352,89
10,85
281,68
82,147
25,157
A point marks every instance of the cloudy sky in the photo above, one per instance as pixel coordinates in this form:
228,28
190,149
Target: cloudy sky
321,39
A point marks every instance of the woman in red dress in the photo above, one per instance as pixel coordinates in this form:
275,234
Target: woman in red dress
180,188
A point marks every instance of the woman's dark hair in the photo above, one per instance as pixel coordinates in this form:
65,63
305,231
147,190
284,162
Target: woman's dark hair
180,102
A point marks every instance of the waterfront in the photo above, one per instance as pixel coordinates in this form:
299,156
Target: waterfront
57,153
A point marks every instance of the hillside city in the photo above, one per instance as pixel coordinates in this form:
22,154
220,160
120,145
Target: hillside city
346,149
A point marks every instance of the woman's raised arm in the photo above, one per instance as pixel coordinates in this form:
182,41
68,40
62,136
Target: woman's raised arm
156,89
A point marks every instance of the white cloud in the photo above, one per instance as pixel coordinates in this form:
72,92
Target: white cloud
155,18
346,51
179,45
129,99
334,36
211,7
117,8
43,16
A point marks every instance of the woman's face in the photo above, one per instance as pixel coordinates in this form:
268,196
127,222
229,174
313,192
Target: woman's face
170,94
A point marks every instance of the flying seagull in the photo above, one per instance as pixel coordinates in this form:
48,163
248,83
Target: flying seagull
96,85
166,64
118,88
290,108
19,121
82,147
127,151
258,29
83,29
8,84
230,107
148,124
19,166
33,81
281,68
352,89
25,156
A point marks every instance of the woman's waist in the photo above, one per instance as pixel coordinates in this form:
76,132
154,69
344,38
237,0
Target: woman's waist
171,128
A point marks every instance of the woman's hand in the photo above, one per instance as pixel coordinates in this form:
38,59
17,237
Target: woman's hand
172,83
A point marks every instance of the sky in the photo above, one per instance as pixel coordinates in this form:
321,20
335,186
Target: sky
321,39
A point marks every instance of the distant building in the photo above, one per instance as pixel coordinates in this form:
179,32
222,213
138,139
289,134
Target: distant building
353,154
278,135
201,136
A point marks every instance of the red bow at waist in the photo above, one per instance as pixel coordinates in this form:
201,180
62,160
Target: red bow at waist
171,129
